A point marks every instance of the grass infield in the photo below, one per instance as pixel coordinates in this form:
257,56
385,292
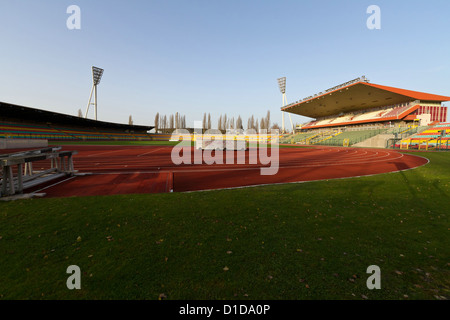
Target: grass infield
296,241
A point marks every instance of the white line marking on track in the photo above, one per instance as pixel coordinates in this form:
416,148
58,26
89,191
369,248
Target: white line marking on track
308,181
149,152
97,154
223,168
55,184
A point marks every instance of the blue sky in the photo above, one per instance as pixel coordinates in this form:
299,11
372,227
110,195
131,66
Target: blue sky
196,56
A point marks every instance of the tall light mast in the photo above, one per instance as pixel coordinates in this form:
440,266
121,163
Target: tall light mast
97,74
282,86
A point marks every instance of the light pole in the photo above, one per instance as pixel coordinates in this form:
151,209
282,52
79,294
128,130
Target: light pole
282,86
97,74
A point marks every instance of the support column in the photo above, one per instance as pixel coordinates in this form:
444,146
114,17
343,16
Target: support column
19,178
95,103
10,180
89,103
5,180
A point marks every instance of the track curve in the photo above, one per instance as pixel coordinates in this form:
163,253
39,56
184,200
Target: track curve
149,169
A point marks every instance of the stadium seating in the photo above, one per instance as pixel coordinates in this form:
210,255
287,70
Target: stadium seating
299,138
364,116
352,136
397,111
27,131
367,116
429,139
434,132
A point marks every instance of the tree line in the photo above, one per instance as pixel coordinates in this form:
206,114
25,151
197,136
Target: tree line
169,123
165,124
224,123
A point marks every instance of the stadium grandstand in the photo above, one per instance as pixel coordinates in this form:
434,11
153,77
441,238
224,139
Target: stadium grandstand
18,122
357,111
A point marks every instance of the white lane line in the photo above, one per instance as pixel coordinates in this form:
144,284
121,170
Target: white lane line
222,169
143,154
55,184
289,164
97,154
307,181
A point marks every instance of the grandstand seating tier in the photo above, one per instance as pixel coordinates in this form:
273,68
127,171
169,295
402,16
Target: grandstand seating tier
28,131
429,139
386,114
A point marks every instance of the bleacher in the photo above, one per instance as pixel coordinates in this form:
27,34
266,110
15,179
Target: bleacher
434,132
382,114
305,137
27,131
352,136
395,112
58,133
429,139
20,122
342,119
367,116
299,138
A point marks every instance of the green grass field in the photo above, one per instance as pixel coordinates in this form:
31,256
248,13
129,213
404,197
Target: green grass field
295,241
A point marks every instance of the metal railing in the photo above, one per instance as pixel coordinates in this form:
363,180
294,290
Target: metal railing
61,164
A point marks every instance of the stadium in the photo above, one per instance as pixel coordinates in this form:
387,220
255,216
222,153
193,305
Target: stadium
144,155
345,115
368,148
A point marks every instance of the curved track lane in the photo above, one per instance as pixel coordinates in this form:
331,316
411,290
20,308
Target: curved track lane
149,169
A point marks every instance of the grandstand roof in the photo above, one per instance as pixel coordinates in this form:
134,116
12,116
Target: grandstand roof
25,114
357,96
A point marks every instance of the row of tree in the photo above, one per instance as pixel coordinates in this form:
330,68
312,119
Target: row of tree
224,123
177,121
164,123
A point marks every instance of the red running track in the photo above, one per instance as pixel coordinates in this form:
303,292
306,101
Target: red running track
149,169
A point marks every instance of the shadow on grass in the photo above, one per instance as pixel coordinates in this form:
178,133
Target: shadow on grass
415,181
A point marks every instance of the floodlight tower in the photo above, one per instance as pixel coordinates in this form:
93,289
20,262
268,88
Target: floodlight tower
282,85
97,74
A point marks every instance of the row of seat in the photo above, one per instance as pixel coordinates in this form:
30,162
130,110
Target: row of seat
299,137
370,115
434,132
396,111
353,137
28,131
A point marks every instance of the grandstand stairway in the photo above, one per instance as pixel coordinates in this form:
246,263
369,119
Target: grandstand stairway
381,140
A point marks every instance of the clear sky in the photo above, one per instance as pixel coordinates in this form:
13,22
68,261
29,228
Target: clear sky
217,56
